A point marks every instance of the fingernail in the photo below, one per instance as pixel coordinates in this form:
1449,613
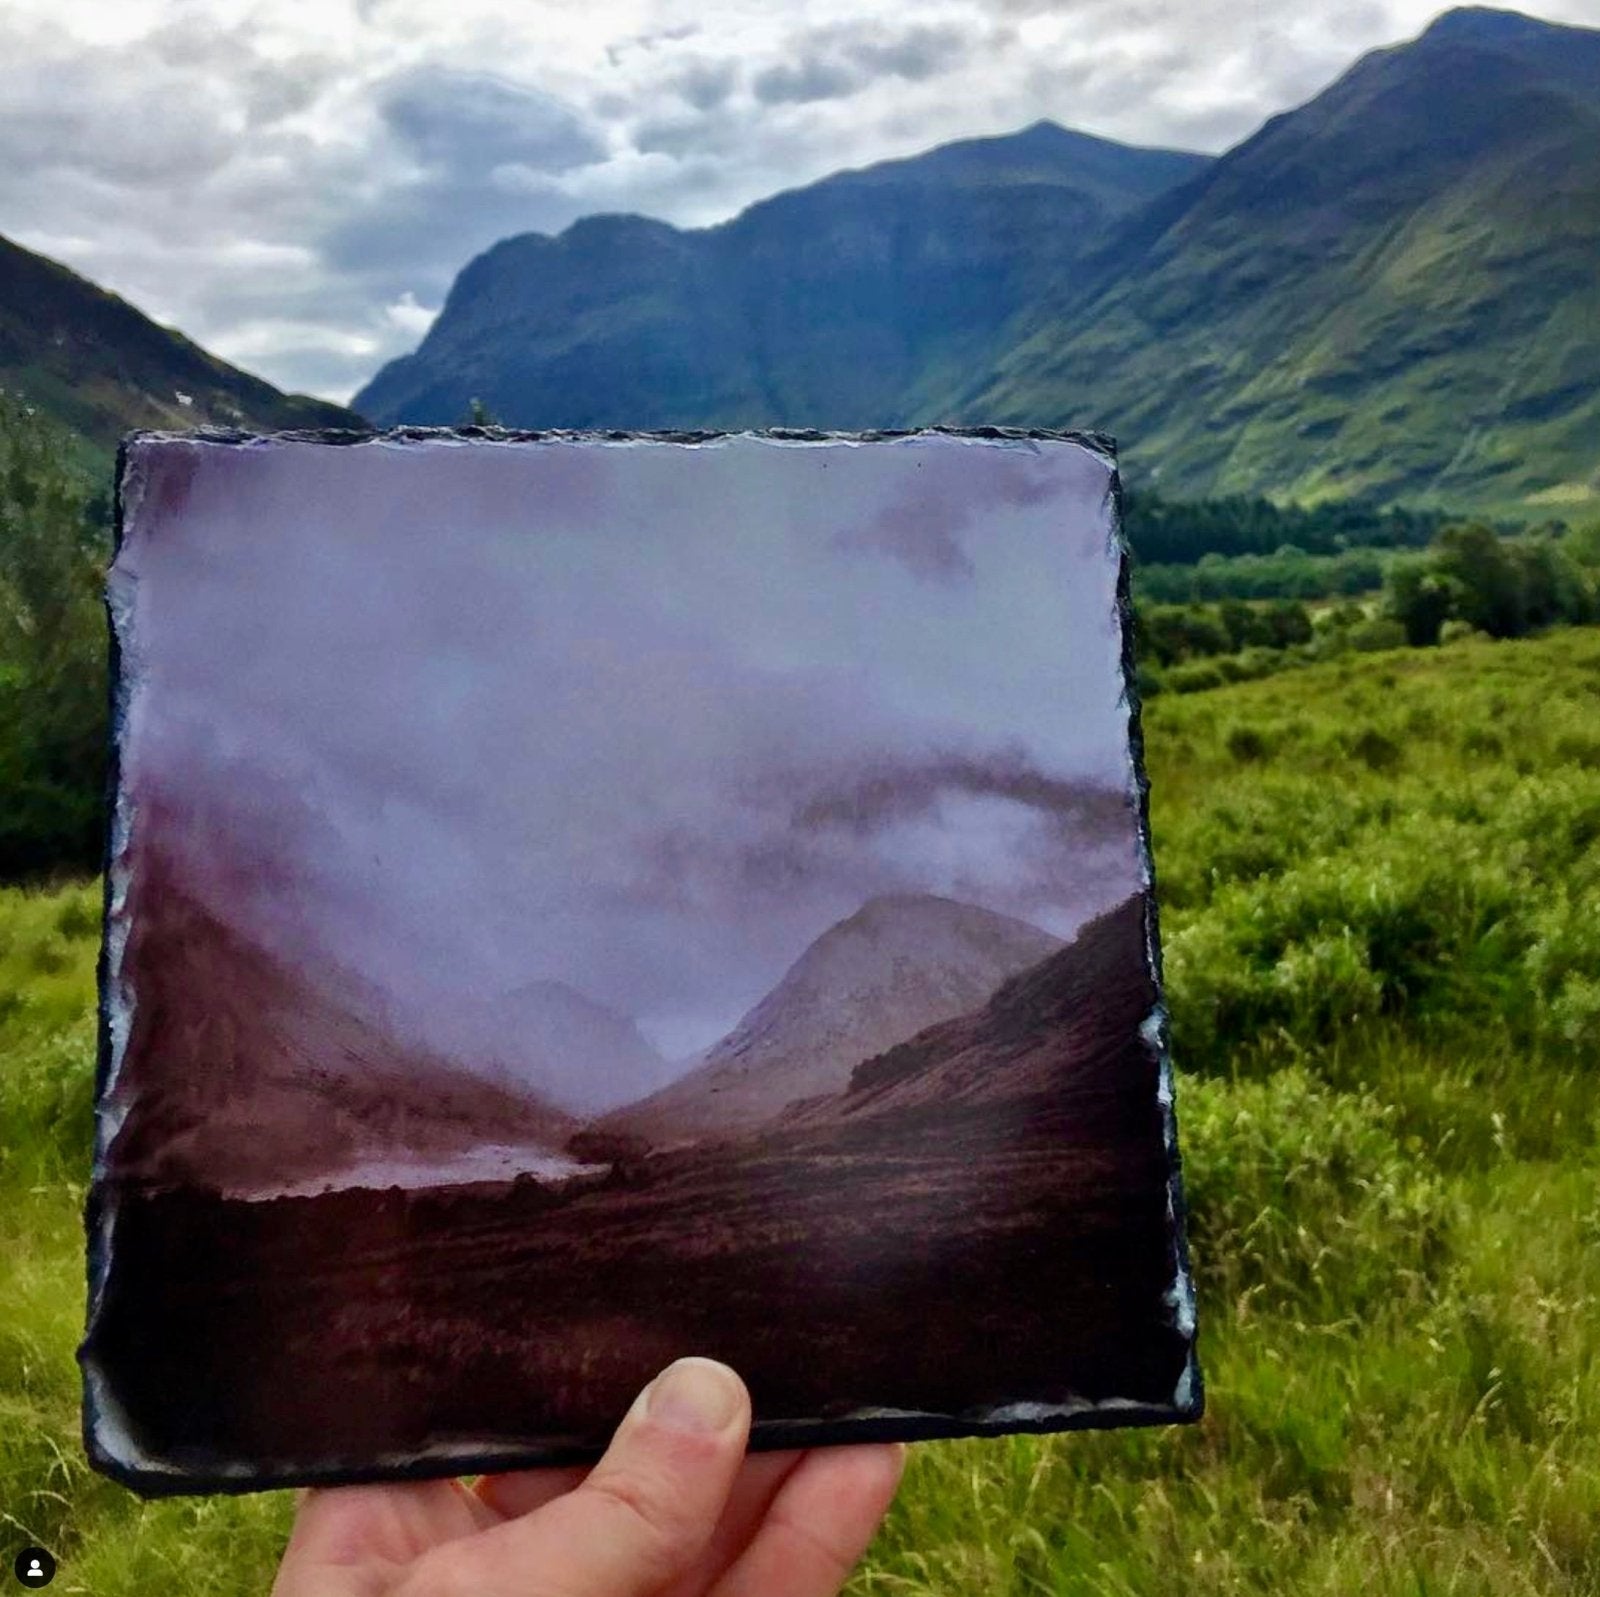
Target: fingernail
697,1395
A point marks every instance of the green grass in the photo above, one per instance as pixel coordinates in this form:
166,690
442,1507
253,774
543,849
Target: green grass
1379,880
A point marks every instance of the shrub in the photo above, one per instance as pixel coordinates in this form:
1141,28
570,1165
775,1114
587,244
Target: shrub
1303,1200
1382,632
1247,744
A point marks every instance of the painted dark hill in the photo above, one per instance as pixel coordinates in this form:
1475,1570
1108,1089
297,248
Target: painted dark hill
242,1075
897,965
1069,1016
1390,291
853,302
101,367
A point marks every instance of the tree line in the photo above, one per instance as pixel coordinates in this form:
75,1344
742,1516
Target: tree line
1182,533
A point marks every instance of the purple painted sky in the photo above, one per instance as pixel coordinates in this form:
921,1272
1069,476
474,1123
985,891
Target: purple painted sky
639,718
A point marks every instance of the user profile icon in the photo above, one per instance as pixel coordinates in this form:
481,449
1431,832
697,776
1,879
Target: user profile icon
34,1567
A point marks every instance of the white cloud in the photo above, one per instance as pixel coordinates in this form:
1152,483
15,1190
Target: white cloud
310,167
411,318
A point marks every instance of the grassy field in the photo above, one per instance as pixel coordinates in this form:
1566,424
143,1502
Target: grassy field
1380,880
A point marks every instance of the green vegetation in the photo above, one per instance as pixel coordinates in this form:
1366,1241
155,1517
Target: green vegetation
1207,532
52,652
1378,878
1287,573
1469,582
1505,588
1386,293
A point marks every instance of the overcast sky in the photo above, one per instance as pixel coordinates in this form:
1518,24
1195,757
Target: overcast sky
641,719
295,182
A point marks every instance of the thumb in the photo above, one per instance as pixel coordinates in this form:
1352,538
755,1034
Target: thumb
644,1514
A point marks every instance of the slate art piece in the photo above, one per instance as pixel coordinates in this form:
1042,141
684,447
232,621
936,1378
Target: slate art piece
576,900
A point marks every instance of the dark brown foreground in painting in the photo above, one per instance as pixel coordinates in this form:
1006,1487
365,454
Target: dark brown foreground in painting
1003,1244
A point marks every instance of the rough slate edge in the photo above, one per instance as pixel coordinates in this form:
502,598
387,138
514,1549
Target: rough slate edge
1189,1395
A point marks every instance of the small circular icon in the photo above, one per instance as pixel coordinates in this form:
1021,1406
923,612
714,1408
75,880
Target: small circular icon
34,1567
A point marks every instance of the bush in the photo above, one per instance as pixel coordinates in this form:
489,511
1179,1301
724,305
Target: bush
1382,632
1303,1201
1246,744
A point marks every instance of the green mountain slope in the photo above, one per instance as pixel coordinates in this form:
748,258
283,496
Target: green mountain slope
100,367
1392,291
859,301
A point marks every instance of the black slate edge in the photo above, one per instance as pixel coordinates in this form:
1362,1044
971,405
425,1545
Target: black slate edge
768,1436
1177,1206
1100,443
97,1256
765,1437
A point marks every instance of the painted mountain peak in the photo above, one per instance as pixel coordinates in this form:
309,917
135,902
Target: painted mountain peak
571,1050
899,964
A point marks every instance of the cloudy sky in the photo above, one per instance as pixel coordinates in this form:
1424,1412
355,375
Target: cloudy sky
645,720
295,182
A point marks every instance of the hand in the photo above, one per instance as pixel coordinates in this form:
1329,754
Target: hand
674,1509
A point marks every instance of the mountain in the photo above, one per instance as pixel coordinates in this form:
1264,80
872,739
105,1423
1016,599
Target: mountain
101,367
1390,292
897,965
571,1051
242,1075
1070,1015
855,302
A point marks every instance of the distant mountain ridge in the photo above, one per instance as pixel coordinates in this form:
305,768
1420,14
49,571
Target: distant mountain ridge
1389,292
571,1051
101,368
899,964
854,302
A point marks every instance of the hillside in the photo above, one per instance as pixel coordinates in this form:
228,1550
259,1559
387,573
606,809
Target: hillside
1056,1020
242,1075
1390,291
855,302
102,368
897,965
1387,293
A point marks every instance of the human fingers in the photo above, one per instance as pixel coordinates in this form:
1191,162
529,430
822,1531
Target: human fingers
819,1524
757,1483
639,1520
759,1479
343,1533
522,1491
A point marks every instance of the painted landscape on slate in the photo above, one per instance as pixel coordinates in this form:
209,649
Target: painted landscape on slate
580,902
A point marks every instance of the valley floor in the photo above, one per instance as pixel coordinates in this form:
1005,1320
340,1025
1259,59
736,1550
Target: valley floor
934,1263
